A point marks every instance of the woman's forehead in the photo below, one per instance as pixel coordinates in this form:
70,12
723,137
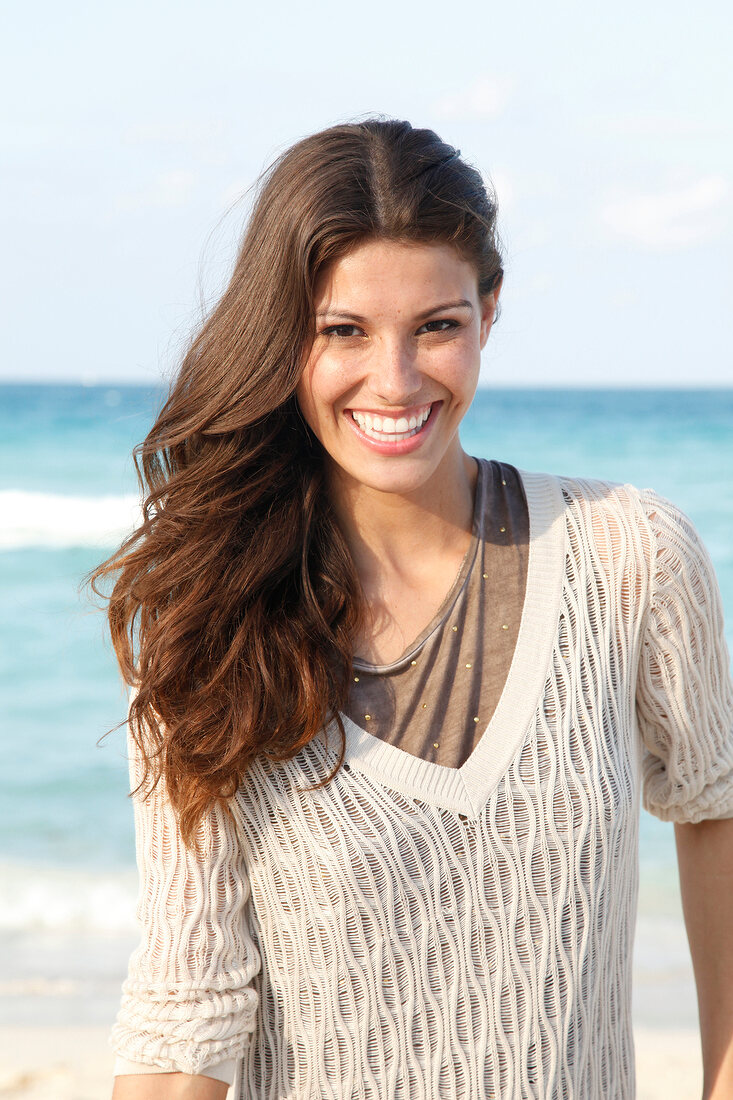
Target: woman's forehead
376,274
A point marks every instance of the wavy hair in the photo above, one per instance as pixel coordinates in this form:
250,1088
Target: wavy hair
235,601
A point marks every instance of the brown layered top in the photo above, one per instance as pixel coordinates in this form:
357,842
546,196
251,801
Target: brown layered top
436,700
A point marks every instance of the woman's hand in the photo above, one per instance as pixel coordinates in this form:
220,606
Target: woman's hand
168,1086
705,856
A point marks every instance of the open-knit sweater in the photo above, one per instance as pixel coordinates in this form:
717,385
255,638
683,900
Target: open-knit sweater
418,931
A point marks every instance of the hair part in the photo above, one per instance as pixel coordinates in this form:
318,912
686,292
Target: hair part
235,602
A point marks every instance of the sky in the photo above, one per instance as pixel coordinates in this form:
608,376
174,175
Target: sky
132,133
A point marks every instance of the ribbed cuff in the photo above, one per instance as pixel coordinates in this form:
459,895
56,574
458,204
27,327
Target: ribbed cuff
220,1071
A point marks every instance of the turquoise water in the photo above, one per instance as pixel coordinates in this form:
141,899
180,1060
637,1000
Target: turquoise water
68,492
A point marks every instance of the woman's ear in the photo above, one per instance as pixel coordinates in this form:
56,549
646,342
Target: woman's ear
489,304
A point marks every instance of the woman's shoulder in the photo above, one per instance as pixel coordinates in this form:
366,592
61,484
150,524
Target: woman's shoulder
601,495
618,518
611,513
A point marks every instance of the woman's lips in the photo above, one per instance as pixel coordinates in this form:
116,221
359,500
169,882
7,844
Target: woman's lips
404,431
391,428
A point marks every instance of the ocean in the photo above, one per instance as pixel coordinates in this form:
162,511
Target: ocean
68,494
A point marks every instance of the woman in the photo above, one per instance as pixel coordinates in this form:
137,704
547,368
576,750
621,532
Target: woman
394,707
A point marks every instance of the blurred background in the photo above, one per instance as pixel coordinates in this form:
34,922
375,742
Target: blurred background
132,137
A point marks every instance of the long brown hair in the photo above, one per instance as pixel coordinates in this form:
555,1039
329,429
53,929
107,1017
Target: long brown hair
235,601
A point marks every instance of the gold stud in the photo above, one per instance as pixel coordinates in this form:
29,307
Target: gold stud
435,744
425,706
356,679
476,719
413,662
468,665
504,626
502,529
454,629
368,717
486,576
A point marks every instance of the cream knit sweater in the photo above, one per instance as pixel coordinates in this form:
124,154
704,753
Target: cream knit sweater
414,931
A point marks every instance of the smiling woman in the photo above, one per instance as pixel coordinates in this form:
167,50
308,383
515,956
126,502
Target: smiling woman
390,362
384,390
395,707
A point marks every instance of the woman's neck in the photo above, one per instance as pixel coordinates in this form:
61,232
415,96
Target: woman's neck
407,550
390,530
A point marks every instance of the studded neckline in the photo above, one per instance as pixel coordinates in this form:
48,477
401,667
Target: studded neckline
468,788
453,595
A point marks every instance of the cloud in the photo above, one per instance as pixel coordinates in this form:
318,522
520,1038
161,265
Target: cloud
485,98
167,191
236,193
670,219
190,132
664,124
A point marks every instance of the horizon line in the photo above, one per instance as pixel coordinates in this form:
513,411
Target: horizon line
161,383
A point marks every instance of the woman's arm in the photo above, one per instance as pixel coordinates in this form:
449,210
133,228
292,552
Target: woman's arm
189,1003
705,855
168,1086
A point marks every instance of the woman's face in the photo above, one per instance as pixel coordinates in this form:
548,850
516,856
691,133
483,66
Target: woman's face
395,361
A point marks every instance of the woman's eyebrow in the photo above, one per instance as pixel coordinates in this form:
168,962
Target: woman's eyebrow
460,303
340,315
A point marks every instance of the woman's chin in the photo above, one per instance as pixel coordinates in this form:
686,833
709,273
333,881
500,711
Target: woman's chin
405,476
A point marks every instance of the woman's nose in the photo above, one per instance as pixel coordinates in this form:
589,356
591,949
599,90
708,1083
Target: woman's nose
395,376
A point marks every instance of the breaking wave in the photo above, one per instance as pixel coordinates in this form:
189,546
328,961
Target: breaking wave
31,519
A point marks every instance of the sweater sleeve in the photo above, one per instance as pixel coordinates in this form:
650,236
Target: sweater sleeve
684,699
187,1003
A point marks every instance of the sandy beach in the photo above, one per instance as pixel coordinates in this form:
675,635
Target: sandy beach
55,1063
60,987
74,1063
59,992
44,1059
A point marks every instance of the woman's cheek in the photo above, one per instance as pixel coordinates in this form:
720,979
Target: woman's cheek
340,376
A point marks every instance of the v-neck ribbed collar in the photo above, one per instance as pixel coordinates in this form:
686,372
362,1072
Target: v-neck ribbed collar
467,789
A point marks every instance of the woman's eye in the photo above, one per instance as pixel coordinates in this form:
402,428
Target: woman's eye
438,326
343,331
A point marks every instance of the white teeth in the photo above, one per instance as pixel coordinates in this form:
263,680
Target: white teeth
387,429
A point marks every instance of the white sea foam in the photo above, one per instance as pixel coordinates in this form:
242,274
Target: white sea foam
59,899
29,519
